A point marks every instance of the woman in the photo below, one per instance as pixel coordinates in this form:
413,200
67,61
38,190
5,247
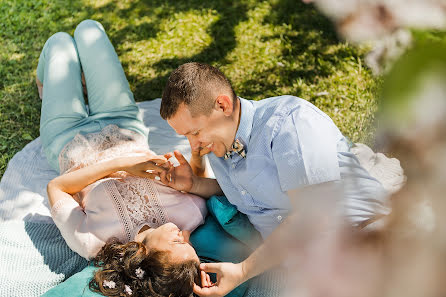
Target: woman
105,203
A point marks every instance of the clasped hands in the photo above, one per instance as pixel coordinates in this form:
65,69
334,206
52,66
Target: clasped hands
159,167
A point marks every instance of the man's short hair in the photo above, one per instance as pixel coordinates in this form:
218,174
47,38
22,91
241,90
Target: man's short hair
197,85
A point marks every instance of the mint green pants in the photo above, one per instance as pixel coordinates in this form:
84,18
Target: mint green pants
64,112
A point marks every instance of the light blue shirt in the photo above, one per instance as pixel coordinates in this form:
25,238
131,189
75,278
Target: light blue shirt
289,143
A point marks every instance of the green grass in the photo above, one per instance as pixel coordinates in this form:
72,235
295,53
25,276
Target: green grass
266,48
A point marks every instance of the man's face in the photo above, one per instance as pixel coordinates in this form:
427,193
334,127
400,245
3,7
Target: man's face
212,131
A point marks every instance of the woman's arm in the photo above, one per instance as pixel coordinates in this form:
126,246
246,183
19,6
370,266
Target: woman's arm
73,182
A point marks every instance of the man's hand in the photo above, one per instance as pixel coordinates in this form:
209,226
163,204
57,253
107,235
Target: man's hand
197,163
229,276
180,178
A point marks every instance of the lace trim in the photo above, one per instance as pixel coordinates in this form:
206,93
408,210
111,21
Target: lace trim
111,142
119,205
142,203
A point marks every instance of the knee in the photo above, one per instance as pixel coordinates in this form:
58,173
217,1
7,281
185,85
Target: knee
87,25
88,33
58,39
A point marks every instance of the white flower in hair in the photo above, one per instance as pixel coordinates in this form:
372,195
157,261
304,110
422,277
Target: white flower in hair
128,290
139,273
109,284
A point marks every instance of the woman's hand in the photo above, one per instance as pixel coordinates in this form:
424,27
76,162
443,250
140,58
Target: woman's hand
147,165
180,178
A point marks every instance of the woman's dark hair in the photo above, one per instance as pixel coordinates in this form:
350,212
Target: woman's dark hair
122,264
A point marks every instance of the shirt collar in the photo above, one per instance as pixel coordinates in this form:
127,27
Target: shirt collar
247,111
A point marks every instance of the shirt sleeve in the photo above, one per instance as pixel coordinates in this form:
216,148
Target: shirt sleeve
71,219
304,149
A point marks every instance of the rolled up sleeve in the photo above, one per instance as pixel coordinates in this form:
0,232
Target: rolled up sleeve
71,220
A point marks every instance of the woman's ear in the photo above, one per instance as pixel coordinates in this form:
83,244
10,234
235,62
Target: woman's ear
224,104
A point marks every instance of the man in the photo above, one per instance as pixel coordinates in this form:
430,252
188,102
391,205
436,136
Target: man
261,153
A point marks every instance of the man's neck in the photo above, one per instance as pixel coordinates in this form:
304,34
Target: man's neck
236,118
238,115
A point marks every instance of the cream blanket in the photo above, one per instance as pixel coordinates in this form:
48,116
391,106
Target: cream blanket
24,203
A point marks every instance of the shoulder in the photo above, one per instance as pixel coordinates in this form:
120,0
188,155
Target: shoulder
274,115
274,107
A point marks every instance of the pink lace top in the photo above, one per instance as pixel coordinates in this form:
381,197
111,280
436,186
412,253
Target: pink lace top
120,205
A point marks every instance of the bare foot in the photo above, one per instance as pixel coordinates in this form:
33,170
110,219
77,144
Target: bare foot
39,88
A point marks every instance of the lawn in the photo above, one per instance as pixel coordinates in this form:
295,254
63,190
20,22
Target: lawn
266,48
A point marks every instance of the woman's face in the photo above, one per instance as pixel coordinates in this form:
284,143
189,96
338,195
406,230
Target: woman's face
169,237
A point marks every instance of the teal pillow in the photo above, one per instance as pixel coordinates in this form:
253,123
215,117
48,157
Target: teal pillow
226,236
213,244
76,285
233,222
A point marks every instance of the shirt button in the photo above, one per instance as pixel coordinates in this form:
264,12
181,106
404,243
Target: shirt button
279,218
243,192
233,165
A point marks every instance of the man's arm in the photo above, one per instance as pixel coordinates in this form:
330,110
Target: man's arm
205,187
309,205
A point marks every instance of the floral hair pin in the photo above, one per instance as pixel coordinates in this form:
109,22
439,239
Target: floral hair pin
109,284
127,290
139,273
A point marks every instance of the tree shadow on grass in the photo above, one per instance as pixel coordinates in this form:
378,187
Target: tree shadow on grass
307,56
222,32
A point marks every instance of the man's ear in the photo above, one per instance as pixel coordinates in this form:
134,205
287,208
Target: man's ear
224,104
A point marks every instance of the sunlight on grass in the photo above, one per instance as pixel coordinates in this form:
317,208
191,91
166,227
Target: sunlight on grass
181,36
256,50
